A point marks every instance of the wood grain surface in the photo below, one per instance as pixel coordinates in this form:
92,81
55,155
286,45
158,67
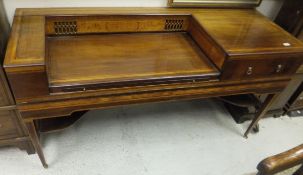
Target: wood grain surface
116,58
241,31
282,161
231,51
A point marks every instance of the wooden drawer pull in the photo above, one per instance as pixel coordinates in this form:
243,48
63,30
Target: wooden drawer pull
249,71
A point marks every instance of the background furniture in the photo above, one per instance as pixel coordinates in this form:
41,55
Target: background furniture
12,129
283,162
290,18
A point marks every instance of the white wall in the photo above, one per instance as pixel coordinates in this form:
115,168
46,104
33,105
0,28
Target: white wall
268,7
11,5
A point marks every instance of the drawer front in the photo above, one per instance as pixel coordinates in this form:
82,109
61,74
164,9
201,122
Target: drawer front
5,94
266,68
8,124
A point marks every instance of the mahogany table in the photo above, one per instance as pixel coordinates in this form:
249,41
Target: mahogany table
64,60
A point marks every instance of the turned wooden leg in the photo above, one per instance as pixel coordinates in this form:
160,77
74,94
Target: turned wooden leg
35,140
262,111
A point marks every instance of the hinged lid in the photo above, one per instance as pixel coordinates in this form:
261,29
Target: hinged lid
214,3
90,62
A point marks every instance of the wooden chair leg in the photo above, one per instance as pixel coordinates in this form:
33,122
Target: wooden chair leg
35,140
262,111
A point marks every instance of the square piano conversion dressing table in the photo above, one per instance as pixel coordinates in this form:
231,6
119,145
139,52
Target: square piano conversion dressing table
63,60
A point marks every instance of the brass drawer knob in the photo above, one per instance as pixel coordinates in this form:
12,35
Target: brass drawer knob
279,68
249,71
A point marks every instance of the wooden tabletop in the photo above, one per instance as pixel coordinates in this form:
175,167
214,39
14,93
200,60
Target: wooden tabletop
241,31
110,58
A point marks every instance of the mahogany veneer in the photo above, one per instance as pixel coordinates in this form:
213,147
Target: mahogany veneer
12,129
80,59
124,59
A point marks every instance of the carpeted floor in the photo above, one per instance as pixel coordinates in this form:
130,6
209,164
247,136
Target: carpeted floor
176,138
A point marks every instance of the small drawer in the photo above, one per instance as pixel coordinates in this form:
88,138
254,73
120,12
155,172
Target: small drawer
265,68
8,124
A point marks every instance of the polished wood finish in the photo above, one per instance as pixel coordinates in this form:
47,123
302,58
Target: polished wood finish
34,65
206,43
289,101
26,53
167,57
29,80
250,69
115,24
35,140
98,99
243,26
95,58
6,98
12,129
282,161
8,124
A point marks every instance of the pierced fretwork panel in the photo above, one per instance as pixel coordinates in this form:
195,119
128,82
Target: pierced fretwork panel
65,27
174,24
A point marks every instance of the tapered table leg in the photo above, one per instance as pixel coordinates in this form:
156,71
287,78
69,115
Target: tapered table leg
262,111
35,140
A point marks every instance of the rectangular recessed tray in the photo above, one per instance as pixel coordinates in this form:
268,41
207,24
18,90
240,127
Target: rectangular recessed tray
84,62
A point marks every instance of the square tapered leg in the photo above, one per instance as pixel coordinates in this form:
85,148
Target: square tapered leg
36,142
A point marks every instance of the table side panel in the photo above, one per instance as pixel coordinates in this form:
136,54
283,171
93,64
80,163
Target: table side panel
6,98
9,124
61,107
